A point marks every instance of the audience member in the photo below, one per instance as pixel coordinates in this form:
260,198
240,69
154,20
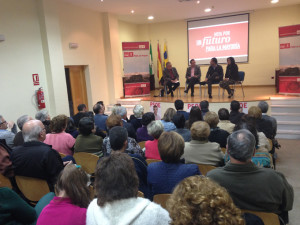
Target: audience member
6,167
73,198
179,122
270,191
155,129
45,118
155,111
35,158
121,206
264,107
195,115
193,76
200,150
71,128
216,134
204,106
164,176
167,119
100,118
19,140
231,76
5,134
132,145
179,105
122,111
224,122
59,139
235,114
136,118
199,200
82,112
102,106
87,141
170,78
142,133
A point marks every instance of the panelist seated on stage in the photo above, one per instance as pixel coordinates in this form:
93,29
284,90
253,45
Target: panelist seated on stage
214,75
193,76
171,78
231,76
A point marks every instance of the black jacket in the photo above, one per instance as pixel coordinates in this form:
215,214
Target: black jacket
218,70
235,117
167,75
218,135
232,72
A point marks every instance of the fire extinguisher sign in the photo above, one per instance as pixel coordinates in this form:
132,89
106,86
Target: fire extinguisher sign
36,79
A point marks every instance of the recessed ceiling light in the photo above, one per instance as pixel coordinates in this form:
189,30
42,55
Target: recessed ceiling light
101,0
132,11
274,1
150,17
207,10
198,2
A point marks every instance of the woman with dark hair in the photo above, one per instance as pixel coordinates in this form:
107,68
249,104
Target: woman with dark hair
142,133
71,128
73,198
195,115
231,76
117,203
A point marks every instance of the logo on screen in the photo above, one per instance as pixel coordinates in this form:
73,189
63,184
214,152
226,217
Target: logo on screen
142,46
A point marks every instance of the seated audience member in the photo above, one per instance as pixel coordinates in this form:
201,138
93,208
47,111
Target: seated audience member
100,118
87,141
199,200
102,106
14,210
200,150
5,134
224,122
82,112
6,167
216,134
195,115
155,111
204,106
262,125
71,129
170,78
35,158
264,107
19,140
231,76
59,139
179,122
73,198
235,114
179,105
132,145
193,76
45,118
118,140
142,133
167,119
155,129
122,111
270,191
164,176
136,118
121,206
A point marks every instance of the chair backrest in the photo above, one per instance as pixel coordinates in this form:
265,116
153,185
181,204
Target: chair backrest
62,155
87,161
161,199
149,161
142,144
5,182
205,168
223,150
141,194
267,218
32,188
271,144
242,76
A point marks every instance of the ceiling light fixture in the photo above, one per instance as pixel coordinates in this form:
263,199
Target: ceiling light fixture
198,2
150,17
132,11
274,1
207,10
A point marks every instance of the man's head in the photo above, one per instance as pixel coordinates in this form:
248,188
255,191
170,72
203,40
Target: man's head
235,106
102,105
121,111
82,108
23,119
179,104
193,62
179,120
34,130
212,119
241,145
169,65
213,61
118,138
97,108
3,123
223,114
86,126
264,107
42,115
204,105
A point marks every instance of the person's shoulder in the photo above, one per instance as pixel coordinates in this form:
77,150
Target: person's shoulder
158,212
215,172
154,165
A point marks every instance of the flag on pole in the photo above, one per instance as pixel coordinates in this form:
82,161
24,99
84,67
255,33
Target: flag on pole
151,60
159,67
165,55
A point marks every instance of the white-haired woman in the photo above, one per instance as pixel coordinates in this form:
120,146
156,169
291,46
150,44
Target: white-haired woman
155,129
136,119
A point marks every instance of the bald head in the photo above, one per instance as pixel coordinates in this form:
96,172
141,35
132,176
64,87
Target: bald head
33,130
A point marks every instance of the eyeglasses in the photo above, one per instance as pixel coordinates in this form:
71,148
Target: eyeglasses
4,122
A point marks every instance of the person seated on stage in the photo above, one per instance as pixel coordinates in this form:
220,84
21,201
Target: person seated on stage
195,115
19,140
224,122
270,191
132,146
122,111
193,76
235,114
155,111
216,134
171,78
179,122
200,150
82,112
142,133
100,118
231,76
45,118
136,118
155,129
204,106
214,75
264,107
167,119
5,134
179,105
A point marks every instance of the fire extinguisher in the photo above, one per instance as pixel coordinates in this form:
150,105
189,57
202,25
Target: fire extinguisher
40,98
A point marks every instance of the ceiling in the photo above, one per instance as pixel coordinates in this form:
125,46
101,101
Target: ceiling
168,10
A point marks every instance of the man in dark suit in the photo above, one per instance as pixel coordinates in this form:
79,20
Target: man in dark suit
214,75
171,78
235,114
193,75
82,112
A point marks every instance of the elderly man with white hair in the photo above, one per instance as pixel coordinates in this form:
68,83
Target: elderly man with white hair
136,118
5,134
122,111
19,140
264,107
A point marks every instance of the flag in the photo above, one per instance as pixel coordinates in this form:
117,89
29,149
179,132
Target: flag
165,55
159,67
151,60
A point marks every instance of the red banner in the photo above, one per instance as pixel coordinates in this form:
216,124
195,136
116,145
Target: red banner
289,84
137,89
135,45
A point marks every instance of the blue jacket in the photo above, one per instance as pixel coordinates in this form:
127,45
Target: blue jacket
100,121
